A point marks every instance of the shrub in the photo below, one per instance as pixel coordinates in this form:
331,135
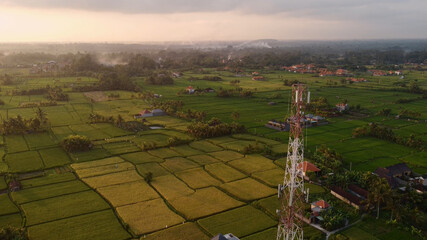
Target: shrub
12,233
74,143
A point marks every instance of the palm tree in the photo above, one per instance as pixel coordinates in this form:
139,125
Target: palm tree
41,115
379,193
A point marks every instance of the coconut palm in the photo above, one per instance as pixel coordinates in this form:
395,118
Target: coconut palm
378,194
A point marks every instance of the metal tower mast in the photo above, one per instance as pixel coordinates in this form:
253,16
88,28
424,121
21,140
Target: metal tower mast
291,192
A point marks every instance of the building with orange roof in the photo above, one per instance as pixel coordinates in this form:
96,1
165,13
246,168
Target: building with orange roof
308,167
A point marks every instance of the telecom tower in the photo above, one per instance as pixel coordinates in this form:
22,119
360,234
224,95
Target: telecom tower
291,193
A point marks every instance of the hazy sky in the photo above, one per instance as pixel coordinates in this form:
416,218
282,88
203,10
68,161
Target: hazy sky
187,20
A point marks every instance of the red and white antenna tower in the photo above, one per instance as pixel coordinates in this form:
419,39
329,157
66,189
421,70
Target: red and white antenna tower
292,192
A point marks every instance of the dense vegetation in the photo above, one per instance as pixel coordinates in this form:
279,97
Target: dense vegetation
74,143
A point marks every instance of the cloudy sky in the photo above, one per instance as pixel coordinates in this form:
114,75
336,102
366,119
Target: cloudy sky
206,20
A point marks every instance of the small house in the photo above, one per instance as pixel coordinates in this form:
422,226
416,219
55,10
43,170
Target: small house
341,107
358,191
399,170
319,206
15,186
190,90
258,78
158,112
347,197
308,167
227,236
143,114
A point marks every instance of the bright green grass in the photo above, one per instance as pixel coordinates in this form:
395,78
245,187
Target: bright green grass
96,153
256,138
11,220
63,207
314,189
269,204
6,205
53,157
224,172
24,161
101,225
141,157
40,140
186,231
204,202
264,235
15,143
120,148
355,233
50,178
241,222
62,132
177,164
47,191
205,146
152,167
164,153
110,129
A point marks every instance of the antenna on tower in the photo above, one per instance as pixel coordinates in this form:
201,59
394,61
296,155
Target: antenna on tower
292,192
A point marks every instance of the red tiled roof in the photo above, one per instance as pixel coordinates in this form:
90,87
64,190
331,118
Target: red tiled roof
189,87
307,166
145,112
322,204
362,192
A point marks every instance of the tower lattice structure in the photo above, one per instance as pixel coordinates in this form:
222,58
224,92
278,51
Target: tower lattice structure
291,193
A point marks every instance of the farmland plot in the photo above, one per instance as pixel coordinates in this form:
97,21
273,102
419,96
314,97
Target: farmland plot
128,193
141,157
24,161
224,172
186,231
248,189
197,178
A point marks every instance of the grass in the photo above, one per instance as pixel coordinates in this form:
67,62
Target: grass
269,204
171,187
204,202
105,169
156,216
120,148
97,163
197,178
239,145
226,155
62,207
253,163
314,189
205,146
101,225
7,207
248,189
50,178
3,184
11,220
53,157
94,154
177,164
141,157
153,167
24,161
270,233
48,191
40,140
271,177
356,233
186,150
15,143
203,159
186,231
164,153
62,132
128,193
241,222
112,179
224,172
